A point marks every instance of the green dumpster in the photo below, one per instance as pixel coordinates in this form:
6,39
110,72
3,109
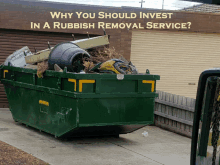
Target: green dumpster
76,104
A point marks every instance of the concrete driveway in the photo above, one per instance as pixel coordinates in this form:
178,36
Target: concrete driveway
159,147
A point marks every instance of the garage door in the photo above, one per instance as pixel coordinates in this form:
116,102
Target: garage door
178,57
11,40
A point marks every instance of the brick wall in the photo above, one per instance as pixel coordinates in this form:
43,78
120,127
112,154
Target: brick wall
18,14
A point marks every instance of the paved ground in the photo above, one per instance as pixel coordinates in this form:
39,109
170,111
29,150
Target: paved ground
10,155
159,147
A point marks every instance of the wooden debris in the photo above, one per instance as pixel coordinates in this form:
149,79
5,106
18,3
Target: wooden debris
38,57
57,68
92,42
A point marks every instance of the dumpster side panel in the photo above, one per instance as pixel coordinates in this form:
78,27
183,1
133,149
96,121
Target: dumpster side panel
57,113
23,104
13,99
48,112
115,111
116,86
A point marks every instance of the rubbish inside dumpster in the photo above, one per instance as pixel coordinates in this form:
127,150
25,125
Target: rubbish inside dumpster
76,59
38,56
17,59
41,68
108,60
117,66
57,68
64,90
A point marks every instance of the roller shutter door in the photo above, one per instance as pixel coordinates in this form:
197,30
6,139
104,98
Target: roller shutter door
11,40
178,57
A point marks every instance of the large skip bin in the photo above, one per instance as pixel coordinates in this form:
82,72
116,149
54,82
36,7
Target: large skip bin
75,104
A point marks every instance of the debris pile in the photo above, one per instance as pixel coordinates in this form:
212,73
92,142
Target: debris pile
80,56
99,56
102,55
108,60
41,68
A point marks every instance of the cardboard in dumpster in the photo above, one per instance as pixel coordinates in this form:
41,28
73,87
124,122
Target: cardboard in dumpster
17,59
